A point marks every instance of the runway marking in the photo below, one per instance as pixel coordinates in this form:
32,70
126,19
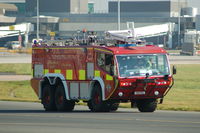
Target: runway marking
168,121
74,124
38,124
62,116
100,118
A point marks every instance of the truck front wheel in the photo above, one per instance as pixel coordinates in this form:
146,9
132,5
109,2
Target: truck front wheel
146,105
48,99
62,104
96,104
114,106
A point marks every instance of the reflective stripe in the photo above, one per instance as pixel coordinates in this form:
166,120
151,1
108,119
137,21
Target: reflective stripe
46,71
55,48
69,74
37,48
108,77
103,50
96,73
81,74
61,48
57,71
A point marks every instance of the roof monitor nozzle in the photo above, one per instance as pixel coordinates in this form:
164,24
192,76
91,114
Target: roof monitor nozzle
147,75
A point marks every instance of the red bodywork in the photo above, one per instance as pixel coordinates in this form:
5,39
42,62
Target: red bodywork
71,62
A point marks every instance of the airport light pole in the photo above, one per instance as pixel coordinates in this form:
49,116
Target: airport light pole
118,14
179,23
79,6
38,37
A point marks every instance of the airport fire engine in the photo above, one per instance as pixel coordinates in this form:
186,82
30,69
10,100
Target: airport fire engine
100,75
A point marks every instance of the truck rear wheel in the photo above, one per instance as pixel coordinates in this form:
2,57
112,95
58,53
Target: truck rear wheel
96,104
147,105
62,104
48,99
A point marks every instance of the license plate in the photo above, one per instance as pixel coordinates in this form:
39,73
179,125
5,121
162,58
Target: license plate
139,93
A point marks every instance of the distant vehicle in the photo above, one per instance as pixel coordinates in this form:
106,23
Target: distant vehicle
160,45
13,45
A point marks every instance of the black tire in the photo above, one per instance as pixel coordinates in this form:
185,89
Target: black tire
62,104
146,105
48,99
96,104
114,106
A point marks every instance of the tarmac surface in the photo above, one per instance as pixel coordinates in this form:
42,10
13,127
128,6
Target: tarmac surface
177,59
14,77
14,58
26,58
23,117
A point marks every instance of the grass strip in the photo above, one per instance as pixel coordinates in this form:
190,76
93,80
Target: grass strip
17,91
20,68
185,94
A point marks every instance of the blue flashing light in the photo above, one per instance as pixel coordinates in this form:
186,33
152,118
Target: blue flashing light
126,45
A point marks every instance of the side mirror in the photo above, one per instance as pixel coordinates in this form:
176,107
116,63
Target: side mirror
174,70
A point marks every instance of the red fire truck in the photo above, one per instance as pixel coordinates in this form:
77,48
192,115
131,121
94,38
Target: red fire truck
101,76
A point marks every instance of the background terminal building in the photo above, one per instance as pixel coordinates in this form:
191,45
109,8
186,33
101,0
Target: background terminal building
65,17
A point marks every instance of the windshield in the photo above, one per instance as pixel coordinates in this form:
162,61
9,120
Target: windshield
140,65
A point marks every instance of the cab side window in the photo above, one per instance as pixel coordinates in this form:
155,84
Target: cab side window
101,60
105,61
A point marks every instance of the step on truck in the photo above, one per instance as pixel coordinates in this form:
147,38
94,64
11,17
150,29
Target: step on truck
101,76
